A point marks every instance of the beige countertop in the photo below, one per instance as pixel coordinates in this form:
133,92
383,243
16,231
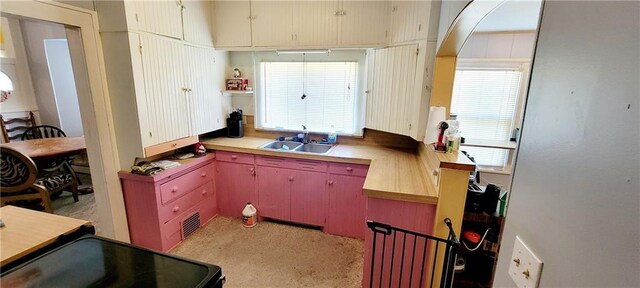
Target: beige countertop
395,174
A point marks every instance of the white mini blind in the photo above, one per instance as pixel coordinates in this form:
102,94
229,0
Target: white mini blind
485,101
329,89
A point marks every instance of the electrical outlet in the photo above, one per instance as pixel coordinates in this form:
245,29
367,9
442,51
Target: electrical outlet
525,268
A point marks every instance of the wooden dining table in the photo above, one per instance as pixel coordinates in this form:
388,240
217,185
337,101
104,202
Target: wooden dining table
49,147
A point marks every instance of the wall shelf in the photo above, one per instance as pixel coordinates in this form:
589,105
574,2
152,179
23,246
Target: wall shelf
509,145
234,92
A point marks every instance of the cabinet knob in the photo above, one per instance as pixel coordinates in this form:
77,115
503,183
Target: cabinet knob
290,178
204,174
174,189
330,182
176,208
253,171
349,169
204,192
234,157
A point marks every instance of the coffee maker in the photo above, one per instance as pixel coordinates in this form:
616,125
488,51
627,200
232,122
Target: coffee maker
234,124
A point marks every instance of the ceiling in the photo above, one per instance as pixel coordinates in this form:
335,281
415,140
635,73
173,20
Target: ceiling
513,15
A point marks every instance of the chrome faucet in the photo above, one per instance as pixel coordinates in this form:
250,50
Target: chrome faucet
305,133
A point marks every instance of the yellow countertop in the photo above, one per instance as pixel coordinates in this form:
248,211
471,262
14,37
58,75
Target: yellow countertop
395,174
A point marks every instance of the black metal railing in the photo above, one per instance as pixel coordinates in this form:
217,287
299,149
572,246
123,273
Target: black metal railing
394,271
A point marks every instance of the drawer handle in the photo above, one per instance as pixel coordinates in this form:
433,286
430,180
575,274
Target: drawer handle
204,192
204,174
174,189
330,182
253,171
234,157
290,178
349,169
176,209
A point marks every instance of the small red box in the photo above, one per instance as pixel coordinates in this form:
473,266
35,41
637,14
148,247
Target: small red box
237,84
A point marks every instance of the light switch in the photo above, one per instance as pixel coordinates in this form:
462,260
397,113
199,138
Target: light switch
525,267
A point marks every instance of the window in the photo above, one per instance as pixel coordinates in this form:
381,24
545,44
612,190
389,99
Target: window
319,95
485,98
6,87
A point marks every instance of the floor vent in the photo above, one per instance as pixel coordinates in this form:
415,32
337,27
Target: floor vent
190,225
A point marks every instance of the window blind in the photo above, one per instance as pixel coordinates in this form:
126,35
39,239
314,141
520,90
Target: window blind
329,101
485,101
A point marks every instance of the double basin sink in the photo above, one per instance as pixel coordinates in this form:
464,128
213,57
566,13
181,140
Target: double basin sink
298,147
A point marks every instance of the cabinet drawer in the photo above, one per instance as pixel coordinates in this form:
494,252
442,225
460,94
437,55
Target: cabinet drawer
185,183
172,231
234,157
308,165
171,210
348,169
273,161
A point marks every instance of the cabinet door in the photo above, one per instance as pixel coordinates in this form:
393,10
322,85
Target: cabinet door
409,20
346,215
315,23
235,186
309,199
198,21
391,88
271,23
364,23
274,192
165,101
205,99
162,17
232,23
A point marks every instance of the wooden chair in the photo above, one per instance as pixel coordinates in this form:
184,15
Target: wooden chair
12,129
48,131
43,131
19,180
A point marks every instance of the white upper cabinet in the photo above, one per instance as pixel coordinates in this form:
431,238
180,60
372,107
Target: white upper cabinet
197,22
271,23
232,23
391,88
162,17
203,81
410,20
315,23
165,101
364,23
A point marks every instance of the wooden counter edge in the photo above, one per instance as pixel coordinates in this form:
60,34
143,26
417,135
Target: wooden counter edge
399,196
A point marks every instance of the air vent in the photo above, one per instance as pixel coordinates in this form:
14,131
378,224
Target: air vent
190,225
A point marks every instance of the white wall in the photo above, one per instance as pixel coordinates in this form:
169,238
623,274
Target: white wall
64,86
502,45
15,65
34,34
576,191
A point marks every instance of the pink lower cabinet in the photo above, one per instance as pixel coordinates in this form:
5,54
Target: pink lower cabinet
164,209
411,216
292,189
309,199
235,182
274,192
346,215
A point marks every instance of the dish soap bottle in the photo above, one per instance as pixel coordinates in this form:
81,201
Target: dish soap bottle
332,138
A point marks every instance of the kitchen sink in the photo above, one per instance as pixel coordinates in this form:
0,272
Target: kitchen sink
279,145
314,148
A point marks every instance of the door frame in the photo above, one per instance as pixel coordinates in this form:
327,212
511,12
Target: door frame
95,106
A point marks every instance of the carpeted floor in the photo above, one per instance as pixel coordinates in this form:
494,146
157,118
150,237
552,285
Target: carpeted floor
276,255
84,209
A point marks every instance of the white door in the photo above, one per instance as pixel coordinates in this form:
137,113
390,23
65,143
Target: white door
204,99
167,111
315,23
197,18
271,24
364,22
162,17
232,23
391,88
